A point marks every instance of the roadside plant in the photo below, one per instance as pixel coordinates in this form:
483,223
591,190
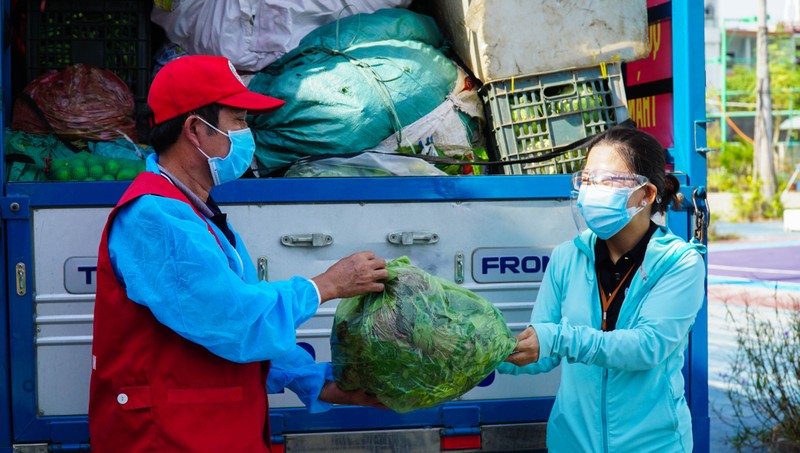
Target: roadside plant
751,206
764,379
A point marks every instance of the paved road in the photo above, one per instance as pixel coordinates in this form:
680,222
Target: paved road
762,271
776,262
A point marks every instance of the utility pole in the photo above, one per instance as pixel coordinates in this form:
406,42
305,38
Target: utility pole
763,161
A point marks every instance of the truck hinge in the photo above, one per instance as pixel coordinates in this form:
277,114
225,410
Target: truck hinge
700,126
461,430
695,199
278,444
460,439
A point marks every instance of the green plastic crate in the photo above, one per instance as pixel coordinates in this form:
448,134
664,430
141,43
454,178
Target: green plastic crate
535,115
111,34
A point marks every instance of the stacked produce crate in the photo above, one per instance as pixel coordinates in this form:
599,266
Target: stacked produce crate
109,34
545,86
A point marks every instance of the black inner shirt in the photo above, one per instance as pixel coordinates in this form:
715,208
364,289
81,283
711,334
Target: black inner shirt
220,219
610,275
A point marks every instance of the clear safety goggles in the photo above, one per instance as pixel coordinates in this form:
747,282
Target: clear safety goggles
607,178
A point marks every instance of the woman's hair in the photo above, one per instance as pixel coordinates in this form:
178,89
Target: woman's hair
644,155
161,136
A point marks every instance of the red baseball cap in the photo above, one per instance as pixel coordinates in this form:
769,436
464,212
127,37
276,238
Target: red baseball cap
190,82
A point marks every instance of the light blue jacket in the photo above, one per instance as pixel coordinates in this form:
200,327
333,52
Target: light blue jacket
165,259
620,391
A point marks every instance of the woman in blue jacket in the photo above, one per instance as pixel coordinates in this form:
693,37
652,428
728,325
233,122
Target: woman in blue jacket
616,307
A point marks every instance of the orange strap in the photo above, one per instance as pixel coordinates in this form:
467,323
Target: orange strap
607,300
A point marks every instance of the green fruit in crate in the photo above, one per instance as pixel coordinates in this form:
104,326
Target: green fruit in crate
108,177
61,174
96,171
58,163
127,174
112,167
91,161
79,172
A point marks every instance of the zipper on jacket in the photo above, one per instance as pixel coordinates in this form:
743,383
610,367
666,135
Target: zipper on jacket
603,411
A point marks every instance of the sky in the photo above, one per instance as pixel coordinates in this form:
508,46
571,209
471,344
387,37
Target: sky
749,8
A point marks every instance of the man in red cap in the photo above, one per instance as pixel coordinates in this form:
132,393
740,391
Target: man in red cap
187,340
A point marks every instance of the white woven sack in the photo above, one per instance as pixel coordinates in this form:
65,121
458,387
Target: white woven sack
253,33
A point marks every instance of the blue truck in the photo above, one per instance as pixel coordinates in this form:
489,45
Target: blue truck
491,233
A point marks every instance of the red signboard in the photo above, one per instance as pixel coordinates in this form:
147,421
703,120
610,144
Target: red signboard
654,115
652,3
658,64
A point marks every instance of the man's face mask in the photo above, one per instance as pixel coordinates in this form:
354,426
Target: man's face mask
232,166
603,199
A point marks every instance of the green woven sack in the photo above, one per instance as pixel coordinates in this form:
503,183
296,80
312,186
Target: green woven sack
351,84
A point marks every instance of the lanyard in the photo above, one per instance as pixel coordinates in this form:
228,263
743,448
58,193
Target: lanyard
607,300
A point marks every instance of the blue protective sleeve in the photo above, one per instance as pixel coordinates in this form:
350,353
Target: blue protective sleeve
298,372
166,259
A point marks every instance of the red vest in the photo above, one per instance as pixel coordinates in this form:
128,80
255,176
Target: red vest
154,391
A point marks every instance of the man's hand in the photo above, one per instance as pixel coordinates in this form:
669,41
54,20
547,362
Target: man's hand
331,393
527,350
357,274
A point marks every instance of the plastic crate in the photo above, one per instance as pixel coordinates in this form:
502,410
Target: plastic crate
114,35
535,115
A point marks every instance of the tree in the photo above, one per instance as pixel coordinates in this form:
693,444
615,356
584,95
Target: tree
763,155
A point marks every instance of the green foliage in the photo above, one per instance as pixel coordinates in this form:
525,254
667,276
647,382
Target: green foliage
741,87
763,381
751,206
729,166
784,78
737,157
720,179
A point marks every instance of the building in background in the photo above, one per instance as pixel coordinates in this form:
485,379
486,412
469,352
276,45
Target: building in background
736,24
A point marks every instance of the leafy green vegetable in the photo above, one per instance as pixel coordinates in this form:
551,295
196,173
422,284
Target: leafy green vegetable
421,342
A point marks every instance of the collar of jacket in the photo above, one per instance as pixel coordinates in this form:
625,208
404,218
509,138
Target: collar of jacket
663,250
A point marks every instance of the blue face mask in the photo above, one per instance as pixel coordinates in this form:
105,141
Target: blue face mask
232,166
605,209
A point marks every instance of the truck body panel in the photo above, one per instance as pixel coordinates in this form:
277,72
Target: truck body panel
492,235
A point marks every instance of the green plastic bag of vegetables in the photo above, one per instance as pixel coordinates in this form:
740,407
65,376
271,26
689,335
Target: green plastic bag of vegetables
420,342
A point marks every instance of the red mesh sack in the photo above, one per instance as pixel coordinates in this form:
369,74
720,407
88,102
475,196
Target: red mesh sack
80,102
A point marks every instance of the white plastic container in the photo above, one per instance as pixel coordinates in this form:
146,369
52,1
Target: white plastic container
500,39
791,219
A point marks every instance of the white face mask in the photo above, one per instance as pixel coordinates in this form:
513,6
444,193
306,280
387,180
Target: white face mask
232,166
